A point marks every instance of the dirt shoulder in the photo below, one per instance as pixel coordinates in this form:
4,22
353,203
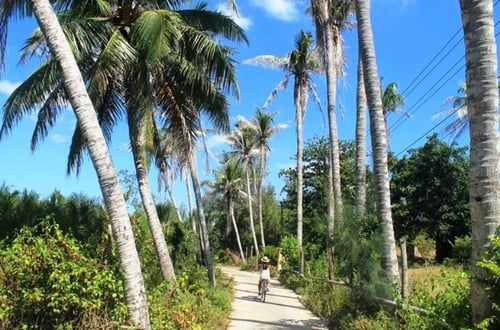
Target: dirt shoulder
282,309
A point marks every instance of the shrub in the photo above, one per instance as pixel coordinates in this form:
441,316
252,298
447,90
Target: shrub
191,303
46,282
491,263
461,250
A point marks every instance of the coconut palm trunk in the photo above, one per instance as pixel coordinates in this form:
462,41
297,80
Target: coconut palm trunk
230,212
246,167
300,99
360,202
482,108
110,186
205,243
379,139
260,192
138,146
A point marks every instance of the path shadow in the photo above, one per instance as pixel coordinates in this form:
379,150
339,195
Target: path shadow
284,324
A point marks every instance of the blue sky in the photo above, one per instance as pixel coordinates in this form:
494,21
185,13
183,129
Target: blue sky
408,35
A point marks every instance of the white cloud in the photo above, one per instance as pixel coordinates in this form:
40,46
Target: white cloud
285,10
7,87
58,138
216,141
242,21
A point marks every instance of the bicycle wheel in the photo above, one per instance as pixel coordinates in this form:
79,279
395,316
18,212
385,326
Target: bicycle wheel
264,290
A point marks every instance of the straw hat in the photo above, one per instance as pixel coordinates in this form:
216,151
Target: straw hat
264,259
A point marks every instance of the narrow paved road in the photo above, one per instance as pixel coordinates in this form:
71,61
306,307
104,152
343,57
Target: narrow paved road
282,309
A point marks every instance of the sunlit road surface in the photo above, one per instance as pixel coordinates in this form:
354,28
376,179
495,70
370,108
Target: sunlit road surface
282,309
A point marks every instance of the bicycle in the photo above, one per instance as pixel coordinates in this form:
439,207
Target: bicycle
263,290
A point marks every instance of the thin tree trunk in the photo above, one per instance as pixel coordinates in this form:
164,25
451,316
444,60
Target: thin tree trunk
484,171
299,117
230,211
262,173
202,221
135,291
168,188
360,202
137,141
250,208
379,139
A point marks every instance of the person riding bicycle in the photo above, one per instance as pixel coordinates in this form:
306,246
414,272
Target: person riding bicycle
265,272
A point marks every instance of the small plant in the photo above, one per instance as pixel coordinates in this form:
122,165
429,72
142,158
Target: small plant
425,246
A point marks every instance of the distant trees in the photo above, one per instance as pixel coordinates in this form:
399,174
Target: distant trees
430,194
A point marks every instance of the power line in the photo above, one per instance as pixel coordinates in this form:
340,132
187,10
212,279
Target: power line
448,116
425,134
401,120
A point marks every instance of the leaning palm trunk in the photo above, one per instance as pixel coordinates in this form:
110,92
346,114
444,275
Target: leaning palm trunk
205,244
137,142
482,108
250,208
230,213
360,202
379,139
110,186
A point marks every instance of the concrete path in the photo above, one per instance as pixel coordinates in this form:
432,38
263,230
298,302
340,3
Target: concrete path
282,309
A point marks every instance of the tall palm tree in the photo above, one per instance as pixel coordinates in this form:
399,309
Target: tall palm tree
330,17
229,182
262,126
301,63
77,95
360,201
379,138
482,106
244,144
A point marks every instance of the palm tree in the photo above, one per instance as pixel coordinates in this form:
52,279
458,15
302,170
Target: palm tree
244,144
482,106
330,18
456,105
229,182
379,138
134,84
391,100
300,63
360,201
96,144
262,126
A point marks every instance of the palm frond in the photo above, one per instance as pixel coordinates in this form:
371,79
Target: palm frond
10,9
155,33
281,85
213,23
269,61
30,95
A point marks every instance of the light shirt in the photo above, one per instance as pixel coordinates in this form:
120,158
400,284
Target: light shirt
265,274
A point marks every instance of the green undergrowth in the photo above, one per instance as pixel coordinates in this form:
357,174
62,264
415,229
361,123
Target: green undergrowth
49,281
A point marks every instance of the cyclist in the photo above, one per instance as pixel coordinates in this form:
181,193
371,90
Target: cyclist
265,272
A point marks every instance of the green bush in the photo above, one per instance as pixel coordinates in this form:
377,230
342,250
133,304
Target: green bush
191,303
446,298
491,263
461,250
46,282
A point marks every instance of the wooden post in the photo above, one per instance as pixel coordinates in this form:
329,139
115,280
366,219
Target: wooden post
404,272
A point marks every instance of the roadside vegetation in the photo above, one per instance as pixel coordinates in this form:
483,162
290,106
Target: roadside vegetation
59,269
166,68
